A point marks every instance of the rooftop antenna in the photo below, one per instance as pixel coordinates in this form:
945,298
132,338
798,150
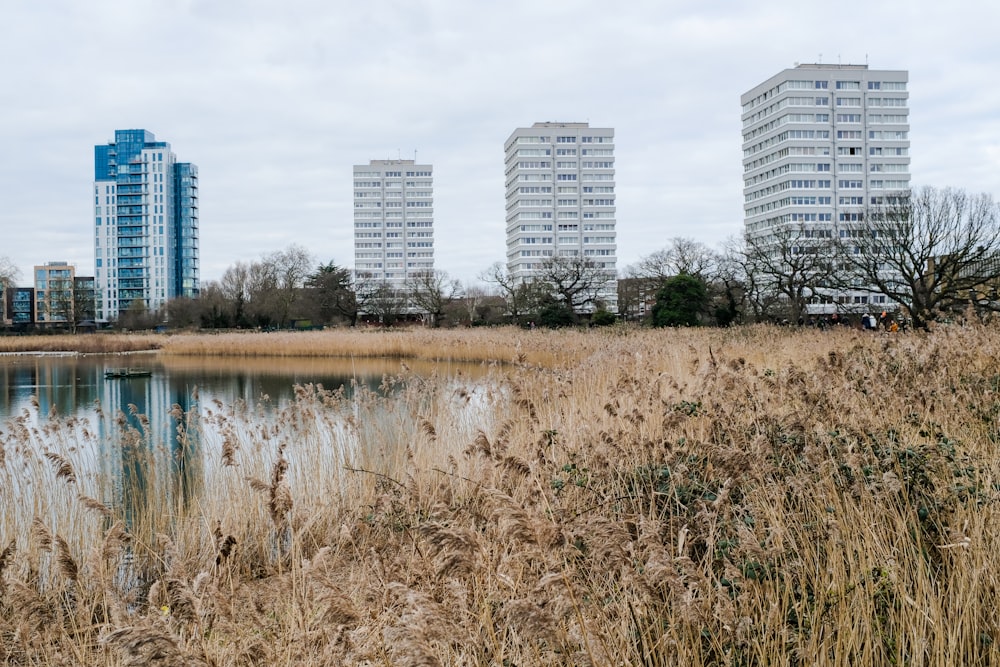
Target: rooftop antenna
820,58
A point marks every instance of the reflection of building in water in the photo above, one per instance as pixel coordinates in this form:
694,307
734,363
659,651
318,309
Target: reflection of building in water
153,452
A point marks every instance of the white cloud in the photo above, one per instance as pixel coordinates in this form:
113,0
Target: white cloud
276,101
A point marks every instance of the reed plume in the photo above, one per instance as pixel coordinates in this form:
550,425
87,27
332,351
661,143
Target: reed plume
67,564
279,496
41,534
64,469
95,505
150,643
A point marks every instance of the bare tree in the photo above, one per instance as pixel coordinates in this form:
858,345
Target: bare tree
84,300
730,283
521,298
183,312
473,297
681,256
266,292
284,273
379,299
432,292
215,309
59,301
573,282
137,317
8,272
931,250
8,277
787,267
236,290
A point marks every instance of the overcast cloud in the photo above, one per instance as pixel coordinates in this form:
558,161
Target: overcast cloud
276,101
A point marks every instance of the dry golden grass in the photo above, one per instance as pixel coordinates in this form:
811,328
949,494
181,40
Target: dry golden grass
103,343
504,344
744,497
539,347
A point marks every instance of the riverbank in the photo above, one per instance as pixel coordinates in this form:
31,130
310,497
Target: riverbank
99,343
502,345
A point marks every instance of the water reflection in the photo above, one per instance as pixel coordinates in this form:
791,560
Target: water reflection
71,385
140,438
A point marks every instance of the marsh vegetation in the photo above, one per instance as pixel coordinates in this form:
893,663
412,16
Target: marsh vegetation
750,496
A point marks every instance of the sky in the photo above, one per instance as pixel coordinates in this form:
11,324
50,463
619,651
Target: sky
276,101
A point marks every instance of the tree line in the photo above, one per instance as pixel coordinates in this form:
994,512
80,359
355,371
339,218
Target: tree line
928,252
288,288
924,255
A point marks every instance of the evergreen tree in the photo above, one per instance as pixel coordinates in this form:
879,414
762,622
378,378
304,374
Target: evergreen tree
680,302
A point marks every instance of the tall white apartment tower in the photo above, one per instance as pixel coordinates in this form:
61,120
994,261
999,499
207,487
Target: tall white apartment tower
393,220
146,224
560,185
820,143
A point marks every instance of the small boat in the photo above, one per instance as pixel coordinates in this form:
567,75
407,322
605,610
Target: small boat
127,373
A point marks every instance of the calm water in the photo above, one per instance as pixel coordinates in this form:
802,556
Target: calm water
72,385
131,449
38,392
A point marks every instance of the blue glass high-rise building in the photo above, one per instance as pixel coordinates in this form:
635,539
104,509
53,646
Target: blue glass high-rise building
145,224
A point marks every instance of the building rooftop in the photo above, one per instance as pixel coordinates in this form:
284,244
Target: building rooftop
550,123
828,66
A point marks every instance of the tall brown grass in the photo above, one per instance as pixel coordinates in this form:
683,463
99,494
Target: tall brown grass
103,343
752,496
490,345
472,345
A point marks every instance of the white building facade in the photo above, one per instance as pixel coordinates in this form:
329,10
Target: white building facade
560,197
822,142
146,224
393,220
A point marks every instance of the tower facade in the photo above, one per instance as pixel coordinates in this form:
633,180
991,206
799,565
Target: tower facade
820,144
146,247
560,191
393,220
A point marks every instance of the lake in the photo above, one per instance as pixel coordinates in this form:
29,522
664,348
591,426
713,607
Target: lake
71,384
159,438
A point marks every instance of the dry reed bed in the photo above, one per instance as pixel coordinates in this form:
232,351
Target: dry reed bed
103,343
497,344
540,347
743,497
